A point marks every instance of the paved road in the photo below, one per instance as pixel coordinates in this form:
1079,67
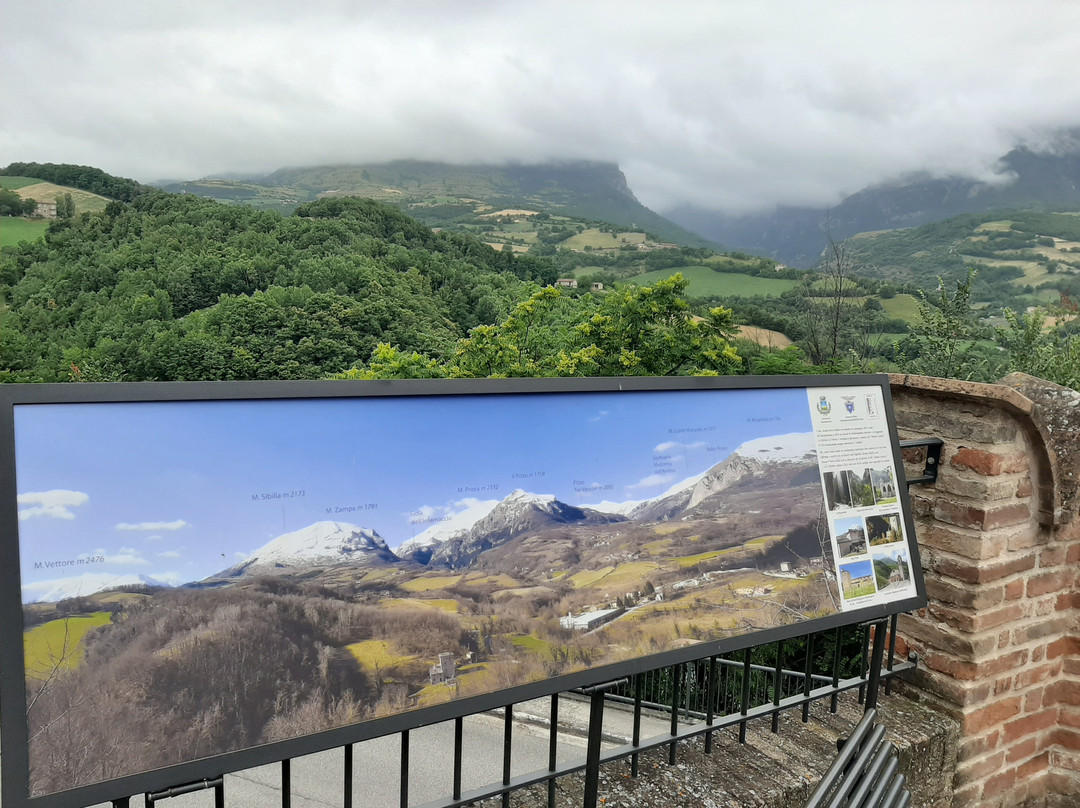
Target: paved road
317,779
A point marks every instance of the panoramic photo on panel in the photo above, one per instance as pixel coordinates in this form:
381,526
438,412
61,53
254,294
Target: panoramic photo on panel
194,562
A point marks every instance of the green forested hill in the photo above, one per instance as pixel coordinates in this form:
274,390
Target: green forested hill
175,287
465,197
1024,257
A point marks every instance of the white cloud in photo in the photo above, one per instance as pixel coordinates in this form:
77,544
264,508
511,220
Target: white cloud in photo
155,537
54,504
168,554
176,524
126,556
652,481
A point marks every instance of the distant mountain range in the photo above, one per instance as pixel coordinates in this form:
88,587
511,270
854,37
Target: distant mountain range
742,487
437,193
797,235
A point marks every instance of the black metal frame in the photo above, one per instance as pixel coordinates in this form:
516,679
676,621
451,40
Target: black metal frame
194,773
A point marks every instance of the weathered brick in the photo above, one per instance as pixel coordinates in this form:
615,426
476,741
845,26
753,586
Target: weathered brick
1063,691
1023,488
1073,553
982,597
1022,750
1066,737
1033,699
1032,675
971,771
1028,725
965,570
1044,582
1012,514
969,544
981,516
998,784
1014,590
971,747
1048,627
988,463
941,638
1052,556
994,713
1062,646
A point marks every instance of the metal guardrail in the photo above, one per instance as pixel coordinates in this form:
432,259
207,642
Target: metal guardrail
717,692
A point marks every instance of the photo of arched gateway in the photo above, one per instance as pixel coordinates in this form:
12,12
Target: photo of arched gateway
234,573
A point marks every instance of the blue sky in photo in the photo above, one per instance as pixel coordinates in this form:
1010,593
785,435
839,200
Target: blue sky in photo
847,523
858,569
181,490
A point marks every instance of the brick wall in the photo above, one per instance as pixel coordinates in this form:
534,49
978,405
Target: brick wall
999,534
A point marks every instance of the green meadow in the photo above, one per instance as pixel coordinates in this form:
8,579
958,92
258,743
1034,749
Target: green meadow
58,643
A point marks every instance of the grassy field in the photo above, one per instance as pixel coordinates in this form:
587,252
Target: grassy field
442,604
15,183
620,578
704,282
375,654
904,307
47,192
598,240
430,583
58,642
14,229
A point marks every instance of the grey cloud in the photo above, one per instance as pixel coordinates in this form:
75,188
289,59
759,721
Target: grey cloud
735,106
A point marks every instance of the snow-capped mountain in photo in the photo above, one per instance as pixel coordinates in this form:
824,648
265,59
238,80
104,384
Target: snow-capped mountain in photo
753,457
80,586
323,544
457,526
520,512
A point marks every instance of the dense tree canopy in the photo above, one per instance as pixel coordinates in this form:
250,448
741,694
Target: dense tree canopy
85,178
172,287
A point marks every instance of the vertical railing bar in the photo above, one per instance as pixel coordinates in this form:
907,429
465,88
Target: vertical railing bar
348,779
403,789
459,723
875,665
777,672
286,783
508,745
592,750
219,794
553,748
864,667
121,802
744,704
710,698
835,671
892,651
676,697
725,700
636,739
808,682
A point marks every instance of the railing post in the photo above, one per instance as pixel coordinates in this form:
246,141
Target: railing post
876,659
596,732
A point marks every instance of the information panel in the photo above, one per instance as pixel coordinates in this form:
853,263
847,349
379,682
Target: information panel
223,574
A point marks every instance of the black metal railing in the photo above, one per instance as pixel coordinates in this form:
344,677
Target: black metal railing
698,697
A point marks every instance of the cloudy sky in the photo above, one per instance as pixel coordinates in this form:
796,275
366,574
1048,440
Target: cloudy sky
732,105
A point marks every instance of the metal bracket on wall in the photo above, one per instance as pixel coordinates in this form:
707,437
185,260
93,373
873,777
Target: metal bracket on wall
933,448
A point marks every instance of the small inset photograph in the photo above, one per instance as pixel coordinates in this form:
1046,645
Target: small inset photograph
862,492
857,579
837,490
884,486
850,536
884,529
892,570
